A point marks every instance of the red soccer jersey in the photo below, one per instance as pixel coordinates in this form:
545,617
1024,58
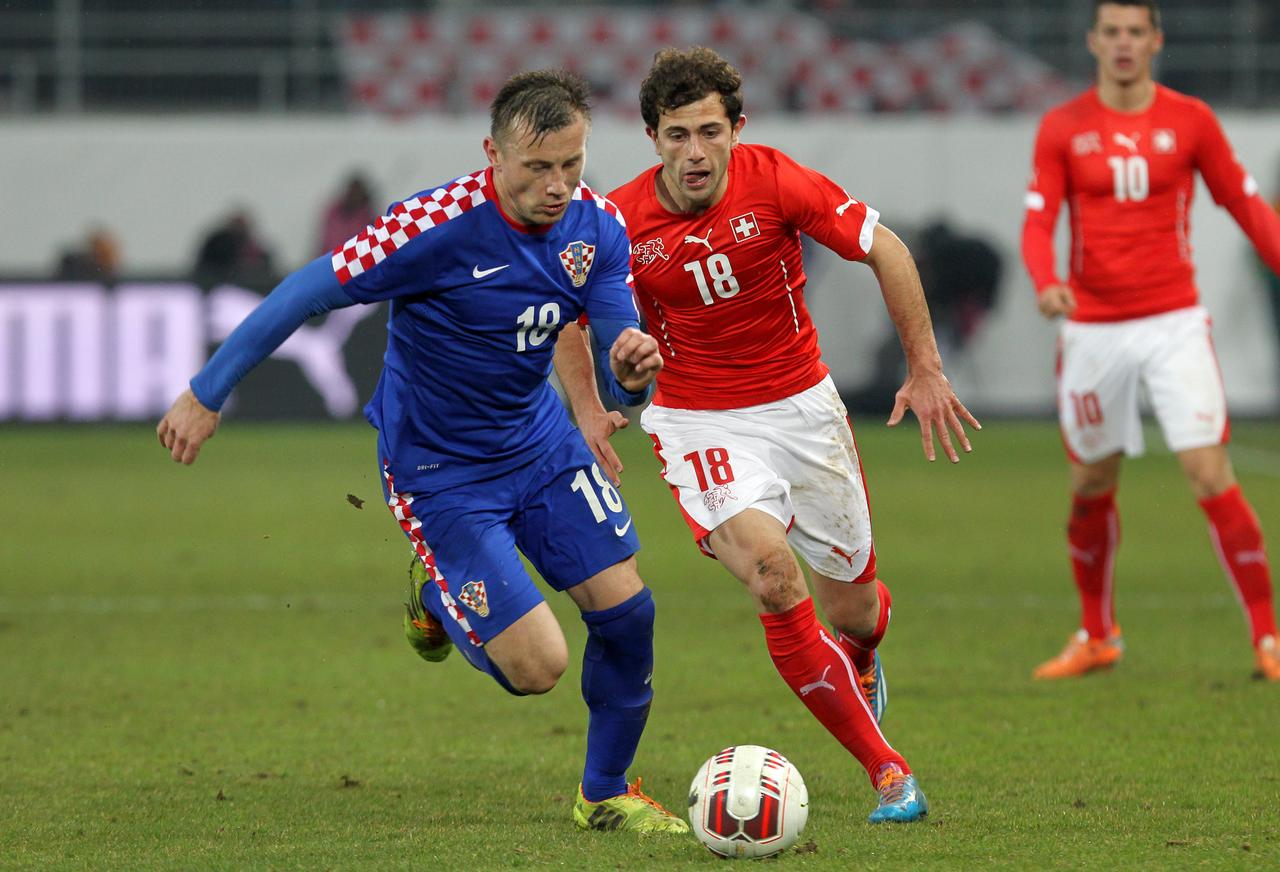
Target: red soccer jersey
1128,181
723,290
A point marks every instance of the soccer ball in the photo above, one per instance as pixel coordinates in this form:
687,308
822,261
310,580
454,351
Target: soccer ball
748,801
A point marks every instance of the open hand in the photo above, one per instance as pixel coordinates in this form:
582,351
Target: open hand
938,409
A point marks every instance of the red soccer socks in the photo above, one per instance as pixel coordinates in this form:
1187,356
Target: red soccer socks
1237,539
817,669
1093,534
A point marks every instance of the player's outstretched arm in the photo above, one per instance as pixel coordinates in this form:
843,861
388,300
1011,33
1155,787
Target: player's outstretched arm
926,390
576,370
194,416
186,426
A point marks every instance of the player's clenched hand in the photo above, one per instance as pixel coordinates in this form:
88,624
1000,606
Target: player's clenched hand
186,426
1056,300
596,430
937,408
635,359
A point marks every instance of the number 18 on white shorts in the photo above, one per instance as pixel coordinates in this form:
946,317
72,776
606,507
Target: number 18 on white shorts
793,459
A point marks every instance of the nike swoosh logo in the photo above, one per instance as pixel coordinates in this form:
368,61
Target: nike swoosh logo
622,531
477,273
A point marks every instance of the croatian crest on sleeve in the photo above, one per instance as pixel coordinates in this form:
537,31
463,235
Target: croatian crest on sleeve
577,259
474,597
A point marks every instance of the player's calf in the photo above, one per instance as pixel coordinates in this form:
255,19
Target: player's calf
775,580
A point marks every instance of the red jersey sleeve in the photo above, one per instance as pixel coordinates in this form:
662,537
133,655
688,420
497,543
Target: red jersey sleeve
817,206
1222,172
1235,190
1043,202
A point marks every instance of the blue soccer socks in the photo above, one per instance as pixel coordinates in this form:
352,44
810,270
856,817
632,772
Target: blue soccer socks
617,671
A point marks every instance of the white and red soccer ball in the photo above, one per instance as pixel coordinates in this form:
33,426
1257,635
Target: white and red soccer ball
748,801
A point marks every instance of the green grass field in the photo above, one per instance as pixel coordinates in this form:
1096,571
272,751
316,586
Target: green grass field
203,669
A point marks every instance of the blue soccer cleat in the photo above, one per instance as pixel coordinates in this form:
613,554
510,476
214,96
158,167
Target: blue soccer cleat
874,687
901,800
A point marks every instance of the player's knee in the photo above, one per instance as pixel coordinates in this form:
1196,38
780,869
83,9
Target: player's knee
537,668
1209,481
776,580
854,615
537,675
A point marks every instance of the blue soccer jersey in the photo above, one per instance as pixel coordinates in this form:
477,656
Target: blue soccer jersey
476,303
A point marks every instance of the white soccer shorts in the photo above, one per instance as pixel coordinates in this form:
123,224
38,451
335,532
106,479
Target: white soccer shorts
793,459
1103,365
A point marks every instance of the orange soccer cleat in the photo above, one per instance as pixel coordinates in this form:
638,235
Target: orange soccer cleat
1268,656
1083,655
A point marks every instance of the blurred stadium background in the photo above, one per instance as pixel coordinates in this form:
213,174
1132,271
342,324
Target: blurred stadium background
205,664
163,163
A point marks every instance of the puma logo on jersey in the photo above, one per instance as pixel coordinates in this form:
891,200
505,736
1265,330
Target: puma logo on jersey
705,239
847,557
844,207
806,689
1243,557
1129,142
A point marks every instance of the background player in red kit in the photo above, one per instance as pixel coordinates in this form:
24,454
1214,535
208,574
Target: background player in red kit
754,440
1123,155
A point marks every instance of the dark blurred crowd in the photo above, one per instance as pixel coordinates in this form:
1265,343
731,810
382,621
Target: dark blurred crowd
233,249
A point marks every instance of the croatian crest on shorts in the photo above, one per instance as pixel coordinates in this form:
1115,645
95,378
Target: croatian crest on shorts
474,597
577,259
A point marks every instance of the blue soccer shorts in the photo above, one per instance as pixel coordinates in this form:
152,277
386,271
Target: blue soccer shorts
561,512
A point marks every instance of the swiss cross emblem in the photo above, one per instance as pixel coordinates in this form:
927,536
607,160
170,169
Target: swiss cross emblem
576,260
1164,141
744,227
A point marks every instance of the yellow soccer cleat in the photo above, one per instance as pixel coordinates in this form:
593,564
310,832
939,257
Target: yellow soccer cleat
421,628
1083,655
633,810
